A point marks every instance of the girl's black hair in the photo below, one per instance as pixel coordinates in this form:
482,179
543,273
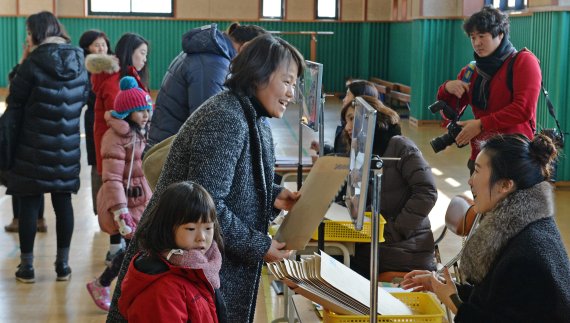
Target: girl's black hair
253,66
136,128
359,88
386,118
488,20
244,33
124,50
44,24
515,157
88,37
181,203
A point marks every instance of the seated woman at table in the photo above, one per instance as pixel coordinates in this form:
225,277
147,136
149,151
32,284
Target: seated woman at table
408,195
353,90
515,264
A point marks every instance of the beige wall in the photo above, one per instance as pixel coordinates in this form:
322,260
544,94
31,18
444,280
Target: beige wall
541,3
300,10
296,10
441,8
28,7
379,10
8,7
192,9
71,8
352,10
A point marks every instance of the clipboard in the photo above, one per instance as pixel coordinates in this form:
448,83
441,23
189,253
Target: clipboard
317,193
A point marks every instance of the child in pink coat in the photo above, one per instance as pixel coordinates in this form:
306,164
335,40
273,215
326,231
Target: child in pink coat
125,191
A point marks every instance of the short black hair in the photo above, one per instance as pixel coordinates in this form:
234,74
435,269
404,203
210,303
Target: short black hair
515,157
181,203
44,24
488,20
124,50
88,37
244,33
253,66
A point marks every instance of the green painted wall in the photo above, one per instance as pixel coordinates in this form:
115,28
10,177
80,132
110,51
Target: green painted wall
421,53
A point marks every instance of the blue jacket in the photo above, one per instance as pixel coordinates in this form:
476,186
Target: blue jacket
196,74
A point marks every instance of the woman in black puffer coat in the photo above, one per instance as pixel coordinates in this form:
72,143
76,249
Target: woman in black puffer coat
50,88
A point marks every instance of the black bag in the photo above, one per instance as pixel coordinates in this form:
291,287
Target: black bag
10,124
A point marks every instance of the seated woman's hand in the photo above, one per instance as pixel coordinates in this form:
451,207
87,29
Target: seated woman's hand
418,280
276,252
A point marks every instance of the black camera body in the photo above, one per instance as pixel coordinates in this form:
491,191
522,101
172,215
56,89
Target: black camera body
453,129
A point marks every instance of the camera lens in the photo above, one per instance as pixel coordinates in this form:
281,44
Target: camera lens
440,143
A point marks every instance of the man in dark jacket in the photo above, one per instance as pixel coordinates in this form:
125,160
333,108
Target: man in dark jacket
196,74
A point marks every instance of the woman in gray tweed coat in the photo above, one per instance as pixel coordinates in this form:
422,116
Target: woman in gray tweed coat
227,147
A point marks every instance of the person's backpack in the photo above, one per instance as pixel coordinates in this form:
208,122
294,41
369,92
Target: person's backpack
556,134
154,159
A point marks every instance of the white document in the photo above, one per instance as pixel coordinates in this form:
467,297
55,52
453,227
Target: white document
358,287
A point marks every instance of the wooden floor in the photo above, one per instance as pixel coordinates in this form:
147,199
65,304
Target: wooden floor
51,301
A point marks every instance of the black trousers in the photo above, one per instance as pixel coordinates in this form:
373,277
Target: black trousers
16,208
29,207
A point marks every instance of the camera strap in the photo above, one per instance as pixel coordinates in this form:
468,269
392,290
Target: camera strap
469,70
549,104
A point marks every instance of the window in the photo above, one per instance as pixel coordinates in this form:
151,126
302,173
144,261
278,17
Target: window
327,9
505,5
131,8
272,9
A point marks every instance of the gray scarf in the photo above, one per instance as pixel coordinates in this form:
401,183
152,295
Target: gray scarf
500,225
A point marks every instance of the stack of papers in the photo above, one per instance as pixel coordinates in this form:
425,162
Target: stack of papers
336,287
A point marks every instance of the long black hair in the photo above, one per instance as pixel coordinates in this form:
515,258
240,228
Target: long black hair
124,50
44,24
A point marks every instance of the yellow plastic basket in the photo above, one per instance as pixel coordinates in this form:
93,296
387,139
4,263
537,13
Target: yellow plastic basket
426,310
344,231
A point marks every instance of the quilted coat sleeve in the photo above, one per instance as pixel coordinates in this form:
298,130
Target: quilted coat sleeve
21,86
417,174
114,159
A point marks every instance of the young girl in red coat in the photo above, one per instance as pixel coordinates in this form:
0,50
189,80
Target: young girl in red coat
176,277
125,191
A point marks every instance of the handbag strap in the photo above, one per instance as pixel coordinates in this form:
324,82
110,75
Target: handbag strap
132,159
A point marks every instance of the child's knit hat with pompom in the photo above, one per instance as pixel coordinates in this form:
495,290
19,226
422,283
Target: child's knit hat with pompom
131,98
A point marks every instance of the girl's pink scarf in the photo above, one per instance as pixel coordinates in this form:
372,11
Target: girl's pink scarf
210,262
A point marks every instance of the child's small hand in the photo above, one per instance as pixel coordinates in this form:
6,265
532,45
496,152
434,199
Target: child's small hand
276,252
315,145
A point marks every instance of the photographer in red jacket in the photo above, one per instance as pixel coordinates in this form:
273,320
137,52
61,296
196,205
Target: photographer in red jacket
497,108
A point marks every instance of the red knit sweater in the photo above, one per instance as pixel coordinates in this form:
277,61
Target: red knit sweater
506,112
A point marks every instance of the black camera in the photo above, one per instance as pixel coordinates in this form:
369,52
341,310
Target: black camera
453,129
135,191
